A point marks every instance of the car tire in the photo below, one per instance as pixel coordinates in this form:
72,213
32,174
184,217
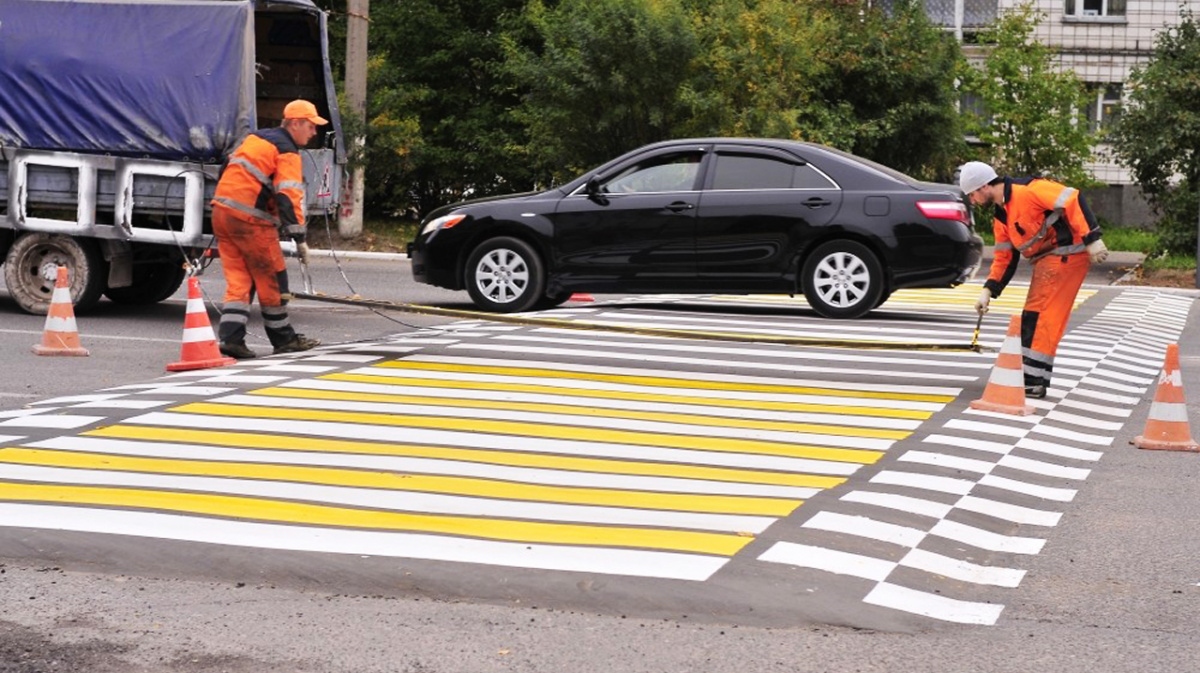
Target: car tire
30,271
843,279
505,275
552,300
152,283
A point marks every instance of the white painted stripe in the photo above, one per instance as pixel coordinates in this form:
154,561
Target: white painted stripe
962,570
1106,380
1007,512
1124,400
828,560
1001,448
901,503
862,526
241,378
57,422
1044,468
395,350
186,390
933,605
1063,433
989,428
603,403
9,439
20,413
1053,449
1117,363
298,369
1030,419
696,390
69,399
924,481
1107,410
199,374
123,404
438,466
382,499
874,332
500,442
561,419
667,565
344,357
686,375
57,324
943,460
983,539
1169,411
1045,492
193,335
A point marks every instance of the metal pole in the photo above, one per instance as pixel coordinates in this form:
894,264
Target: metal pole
350,224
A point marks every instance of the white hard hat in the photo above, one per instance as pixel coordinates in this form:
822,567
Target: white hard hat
973,175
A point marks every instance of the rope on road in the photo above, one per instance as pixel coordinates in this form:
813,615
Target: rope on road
378,304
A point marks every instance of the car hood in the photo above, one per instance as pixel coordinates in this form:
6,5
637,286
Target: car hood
460,205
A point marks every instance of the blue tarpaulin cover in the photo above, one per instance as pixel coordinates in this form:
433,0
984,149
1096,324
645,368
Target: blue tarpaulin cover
152,78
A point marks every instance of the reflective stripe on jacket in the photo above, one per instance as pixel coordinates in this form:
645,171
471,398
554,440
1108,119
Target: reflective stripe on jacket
264,182
1038,218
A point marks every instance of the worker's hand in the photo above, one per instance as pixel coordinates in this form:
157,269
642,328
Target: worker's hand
302,251
1097,251
981,304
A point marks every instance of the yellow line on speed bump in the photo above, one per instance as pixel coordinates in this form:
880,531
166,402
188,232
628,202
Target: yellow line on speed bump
662,381
253,440
541,430
394,481
281,511
593,412
646,397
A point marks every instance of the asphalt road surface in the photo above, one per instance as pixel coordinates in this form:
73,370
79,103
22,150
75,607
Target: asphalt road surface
455,495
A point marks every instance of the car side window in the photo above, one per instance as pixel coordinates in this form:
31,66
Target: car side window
671,173
739,171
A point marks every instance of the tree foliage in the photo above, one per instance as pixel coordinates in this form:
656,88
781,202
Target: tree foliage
1158,135
1034,120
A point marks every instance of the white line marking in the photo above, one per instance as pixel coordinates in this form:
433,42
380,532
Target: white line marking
989,428
924,481
1044,468
1001,448
1062,433
1046,492
902,503
829,560
57,422
983,539
1008,512
943,460
962,570
931,605
862,526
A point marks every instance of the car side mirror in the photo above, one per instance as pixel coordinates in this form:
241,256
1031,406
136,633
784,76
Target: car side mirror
592,189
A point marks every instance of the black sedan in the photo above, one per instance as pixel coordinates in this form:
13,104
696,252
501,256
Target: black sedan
729,215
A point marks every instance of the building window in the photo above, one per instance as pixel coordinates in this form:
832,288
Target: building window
1105,105
1096,8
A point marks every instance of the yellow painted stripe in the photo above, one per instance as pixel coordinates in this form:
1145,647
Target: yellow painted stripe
621,395
281,511
395,481
252,440
660,381
593,412
541,430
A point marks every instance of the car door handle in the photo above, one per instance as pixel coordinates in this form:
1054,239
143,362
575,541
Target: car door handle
816,202
680,206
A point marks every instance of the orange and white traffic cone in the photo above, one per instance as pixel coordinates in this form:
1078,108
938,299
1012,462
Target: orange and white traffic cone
1005,391
581,296
60,336
200,350
1167,426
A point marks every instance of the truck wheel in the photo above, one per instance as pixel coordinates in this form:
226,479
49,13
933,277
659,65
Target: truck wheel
152,283
842,279
31,269
504,275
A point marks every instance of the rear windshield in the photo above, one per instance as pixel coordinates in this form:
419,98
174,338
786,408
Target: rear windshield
890,172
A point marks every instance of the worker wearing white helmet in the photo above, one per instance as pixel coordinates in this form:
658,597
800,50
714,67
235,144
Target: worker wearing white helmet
1051,225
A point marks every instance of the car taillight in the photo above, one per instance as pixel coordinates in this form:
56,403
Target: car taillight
944,210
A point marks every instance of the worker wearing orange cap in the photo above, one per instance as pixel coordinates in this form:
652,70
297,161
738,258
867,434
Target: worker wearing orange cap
260,195
1051,225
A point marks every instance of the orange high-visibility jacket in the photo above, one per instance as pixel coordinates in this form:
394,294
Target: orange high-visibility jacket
263,182
1038,218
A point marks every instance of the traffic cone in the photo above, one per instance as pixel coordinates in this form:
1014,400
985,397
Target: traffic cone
1167,426
1005,391
200,350
60,336
581,296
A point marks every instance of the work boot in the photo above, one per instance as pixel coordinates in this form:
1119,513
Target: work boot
300,343
237,350
1036,392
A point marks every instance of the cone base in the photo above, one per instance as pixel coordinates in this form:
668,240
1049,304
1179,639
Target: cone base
1163,445
984,405
581,296
39,349
188,365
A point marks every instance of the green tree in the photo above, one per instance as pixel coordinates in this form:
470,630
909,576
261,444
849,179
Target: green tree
601,78
1034,120
1158,134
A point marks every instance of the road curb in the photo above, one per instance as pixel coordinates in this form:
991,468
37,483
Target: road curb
360,254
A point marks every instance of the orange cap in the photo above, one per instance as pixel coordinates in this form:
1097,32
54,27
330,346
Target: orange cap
302,109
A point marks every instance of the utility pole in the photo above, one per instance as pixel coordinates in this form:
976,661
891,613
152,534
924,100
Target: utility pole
350,224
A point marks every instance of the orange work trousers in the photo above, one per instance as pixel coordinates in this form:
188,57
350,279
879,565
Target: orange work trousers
1056,282
252,261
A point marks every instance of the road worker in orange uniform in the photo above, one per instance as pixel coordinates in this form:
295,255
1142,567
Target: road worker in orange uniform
259,196
1049,224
